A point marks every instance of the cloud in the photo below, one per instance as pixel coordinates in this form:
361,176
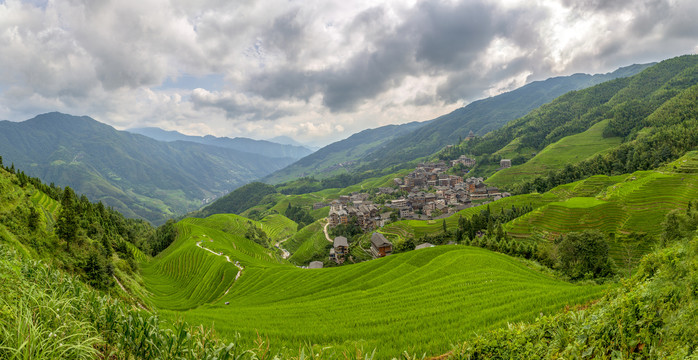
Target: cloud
239,106
314,68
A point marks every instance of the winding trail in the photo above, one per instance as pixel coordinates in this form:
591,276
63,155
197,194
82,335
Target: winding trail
327,235
285,252
227,258
126,291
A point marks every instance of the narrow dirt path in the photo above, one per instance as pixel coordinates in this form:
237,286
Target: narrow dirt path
227,258
126,291
285,253
327,235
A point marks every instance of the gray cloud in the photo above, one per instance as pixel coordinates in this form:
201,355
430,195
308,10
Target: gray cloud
325,63
287,34
236,106
450,36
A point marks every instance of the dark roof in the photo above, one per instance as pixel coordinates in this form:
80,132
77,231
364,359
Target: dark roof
379,240
341,241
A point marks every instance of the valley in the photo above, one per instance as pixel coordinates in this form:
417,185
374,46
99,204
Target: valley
539,235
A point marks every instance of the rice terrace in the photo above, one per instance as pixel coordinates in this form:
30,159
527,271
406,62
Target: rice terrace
424,301
342,180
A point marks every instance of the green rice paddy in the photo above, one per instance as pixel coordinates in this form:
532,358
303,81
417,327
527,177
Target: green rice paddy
421,301
569,150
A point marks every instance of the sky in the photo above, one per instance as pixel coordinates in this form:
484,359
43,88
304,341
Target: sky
314,70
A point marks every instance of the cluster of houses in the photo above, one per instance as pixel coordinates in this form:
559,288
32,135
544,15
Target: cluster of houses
357,206
433,193
380,247
463,160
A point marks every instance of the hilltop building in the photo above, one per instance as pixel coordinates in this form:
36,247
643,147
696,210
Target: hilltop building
470,136
505,163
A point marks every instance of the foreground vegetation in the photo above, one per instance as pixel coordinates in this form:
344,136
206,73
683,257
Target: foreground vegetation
651,316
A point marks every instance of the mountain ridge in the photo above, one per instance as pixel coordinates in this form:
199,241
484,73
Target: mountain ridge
260,147
139,176
424,138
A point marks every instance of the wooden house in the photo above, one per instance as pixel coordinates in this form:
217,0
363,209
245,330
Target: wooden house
380,246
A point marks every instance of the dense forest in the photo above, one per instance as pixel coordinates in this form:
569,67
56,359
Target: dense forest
86,238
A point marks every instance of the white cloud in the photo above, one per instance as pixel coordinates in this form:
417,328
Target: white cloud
311,69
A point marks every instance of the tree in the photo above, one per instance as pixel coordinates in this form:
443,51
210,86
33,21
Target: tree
33,219
584,255
673,227
67,226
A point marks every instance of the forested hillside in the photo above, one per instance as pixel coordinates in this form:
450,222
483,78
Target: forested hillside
620,126
486,115
138,176
342,156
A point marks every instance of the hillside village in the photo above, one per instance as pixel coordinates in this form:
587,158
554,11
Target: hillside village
427,193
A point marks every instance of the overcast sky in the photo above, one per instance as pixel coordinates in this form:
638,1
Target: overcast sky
313,70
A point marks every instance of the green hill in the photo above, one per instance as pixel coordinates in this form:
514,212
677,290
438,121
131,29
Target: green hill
187,275
570,149
423,300
342,156
628,124
139,176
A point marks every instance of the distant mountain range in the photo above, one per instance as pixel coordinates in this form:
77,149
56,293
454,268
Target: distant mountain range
341,156
261,147
387,146
290,141
139,176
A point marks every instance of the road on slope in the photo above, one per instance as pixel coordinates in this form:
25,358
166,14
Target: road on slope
327,235
227,258
285,252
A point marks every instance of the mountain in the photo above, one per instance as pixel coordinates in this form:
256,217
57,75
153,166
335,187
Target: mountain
485,115
619,126
342,155
260,147
383,147
290,141
136,175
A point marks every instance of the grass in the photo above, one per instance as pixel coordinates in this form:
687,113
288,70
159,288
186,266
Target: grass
569,150
185,276
421,301
307,244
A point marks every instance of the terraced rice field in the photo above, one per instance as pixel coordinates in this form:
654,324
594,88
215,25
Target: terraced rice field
615,205
421,301
278,227
569,150
309,241
185,276
638,204
49,206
